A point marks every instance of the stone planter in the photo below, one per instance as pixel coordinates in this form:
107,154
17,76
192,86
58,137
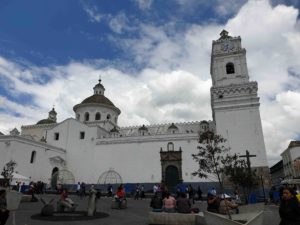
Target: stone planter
13,199
254,218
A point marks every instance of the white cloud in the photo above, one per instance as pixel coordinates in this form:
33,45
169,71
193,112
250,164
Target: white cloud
174,84
228,7
144,4
120,23
117,23
92,12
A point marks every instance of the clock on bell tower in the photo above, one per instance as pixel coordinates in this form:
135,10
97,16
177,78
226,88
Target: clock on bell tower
228,61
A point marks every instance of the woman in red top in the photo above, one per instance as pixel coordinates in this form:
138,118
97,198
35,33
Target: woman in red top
65,200
120,195
120,192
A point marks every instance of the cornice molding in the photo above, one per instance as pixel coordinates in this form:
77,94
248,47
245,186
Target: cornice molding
249,88
39,126
235,51
143,139
22,139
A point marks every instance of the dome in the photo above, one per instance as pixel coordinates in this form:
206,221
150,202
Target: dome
63,177
45,121
173,126
143,128
99,99
110,177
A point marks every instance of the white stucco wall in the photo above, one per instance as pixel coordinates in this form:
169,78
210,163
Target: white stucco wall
136,161
19,149
136,158
243,131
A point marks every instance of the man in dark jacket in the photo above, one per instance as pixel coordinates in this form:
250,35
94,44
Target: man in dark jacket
183,204
289,209
156,203
4,213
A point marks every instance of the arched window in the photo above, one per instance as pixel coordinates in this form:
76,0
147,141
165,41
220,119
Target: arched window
78,116
86,116
97,116
33,156
229,68
170,146
108,116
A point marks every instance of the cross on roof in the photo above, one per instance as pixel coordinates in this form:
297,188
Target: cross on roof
247,156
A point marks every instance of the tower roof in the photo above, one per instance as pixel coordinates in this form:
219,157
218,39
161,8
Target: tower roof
224,35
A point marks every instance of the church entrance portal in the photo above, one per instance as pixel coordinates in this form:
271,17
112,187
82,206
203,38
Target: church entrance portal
172,177
171,170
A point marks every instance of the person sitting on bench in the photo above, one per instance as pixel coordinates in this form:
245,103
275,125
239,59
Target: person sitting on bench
156,203
67,202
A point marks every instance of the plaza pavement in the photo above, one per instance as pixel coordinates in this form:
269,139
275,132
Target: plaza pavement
135,214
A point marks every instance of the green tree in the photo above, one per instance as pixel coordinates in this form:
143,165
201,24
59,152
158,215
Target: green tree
240,174
7,171
211,156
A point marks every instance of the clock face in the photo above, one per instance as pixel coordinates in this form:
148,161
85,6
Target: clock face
226,46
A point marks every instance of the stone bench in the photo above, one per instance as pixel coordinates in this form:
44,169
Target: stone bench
249,218
26,198
176,218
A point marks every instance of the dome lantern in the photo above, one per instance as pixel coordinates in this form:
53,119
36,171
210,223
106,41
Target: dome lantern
99,88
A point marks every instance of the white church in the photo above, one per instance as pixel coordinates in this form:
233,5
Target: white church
92,143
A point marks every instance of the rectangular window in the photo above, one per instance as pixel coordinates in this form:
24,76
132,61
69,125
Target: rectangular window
81,135
56,136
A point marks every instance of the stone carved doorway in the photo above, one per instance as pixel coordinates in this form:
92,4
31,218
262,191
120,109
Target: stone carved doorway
171,168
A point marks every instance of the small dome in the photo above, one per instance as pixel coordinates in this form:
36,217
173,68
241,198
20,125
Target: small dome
203,122
110,177
45,121
53,111
173,127
143,128
99,85
114,130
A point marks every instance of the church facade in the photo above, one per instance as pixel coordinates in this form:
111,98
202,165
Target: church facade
93,143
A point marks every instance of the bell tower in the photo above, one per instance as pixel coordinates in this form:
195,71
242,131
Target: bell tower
228,61
234,100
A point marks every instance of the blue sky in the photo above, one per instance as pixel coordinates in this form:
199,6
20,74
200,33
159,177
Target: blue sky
45,32
147,51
